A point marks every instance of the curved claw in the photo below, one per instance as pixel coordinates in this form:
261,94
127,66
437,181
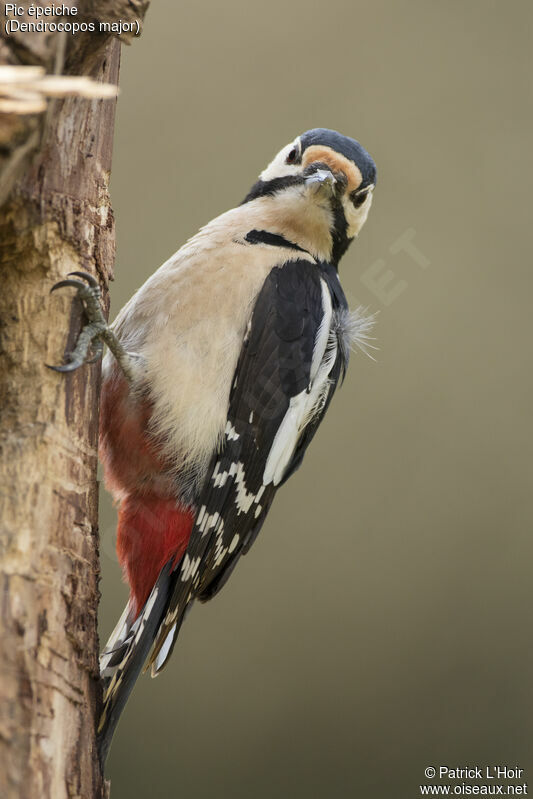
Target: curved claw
76,283
89,338
68,367
95,332
92,281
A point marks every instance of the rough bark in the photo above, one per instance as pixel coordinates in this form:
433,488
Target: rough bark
58,219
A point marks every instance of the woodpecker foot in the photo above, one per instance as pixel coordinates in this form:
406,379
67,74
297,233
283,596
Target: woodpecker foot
96,332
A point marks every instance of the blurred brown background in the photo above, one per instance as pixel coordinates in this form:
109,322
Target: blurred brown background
381,623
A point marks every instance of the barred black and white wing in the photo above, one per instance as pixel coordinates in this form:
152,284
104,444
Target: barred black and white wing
291,361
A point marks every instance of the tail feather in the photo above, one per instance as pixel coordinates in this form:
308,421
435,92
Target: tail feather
128,647
116,642
165,652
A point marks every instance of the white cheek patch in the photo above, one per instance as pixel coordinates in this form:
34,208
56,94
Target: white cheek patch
356,217
278,167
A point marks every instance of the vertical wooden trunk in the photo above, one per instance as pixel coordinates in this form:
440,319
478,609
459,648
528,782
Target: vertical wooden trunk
58,220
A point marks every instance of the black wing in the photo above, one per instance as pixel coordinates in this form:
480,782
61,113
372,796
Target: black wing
273,390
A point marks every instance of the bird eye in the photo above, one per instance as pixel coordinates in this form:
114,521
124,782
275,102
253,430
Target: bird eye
292,157
358,199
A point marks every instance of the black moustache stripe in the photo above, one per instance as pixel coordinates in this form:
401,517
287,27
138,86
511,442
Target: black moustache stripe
264,188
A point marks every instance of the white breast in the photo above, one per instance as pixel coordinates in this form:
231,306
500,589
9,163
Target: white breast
187,323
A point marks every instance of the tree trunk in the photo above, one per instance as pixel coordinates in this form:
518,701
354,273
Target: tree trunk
58,219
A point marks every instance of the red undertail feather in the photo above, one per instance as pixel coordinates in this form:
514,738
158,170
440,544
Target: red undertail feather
152,527
150,531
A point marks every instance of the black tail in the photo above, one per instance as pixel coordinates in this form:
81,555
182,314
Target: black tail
128,647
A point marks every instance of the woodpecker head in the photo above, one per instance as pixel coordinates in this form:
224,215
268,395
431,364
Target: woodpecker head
318,189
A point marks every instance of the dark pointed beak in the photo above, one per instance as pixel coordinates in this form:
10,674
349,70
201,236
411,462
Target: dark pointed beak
322,181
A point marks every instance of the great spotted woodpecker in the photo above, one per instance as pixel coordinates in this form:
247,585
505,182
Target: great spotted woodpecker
220,370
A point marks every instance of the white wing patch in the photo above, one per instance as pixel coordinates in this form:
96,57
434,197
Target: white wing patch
305,405
322,335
